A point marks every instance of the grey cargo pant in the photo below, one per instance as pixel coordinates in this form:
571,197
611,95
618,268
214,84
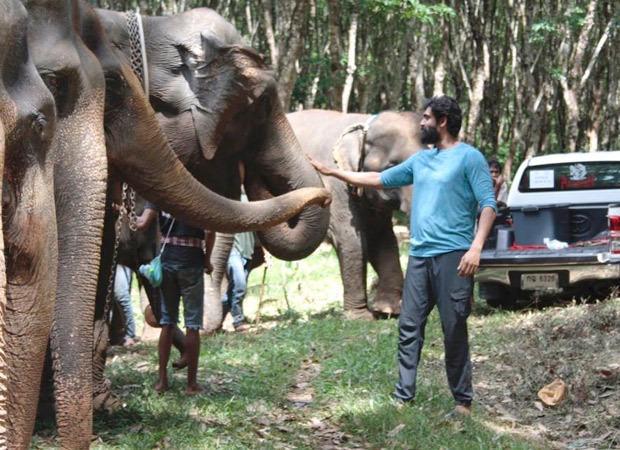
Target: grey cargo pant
431,281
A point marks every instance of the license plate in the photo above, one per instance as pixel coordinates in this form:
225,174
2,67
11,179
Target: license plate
533,281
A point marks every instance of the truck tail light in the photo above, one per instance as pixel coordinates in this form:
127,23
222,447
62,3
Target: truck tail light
613,218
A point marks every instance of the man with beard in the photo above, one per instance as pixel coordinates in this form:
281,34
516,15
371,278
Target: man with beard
451,182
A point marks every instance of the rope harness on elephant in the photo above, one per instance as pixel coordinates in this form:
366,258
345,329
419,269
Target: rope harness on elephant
340,158
137,48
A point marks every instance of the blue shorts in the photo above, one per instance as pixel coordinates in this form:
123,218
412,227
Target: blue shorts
186,283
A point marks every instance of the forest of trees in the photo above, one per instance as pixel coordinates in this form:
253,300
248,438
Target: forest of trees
532,76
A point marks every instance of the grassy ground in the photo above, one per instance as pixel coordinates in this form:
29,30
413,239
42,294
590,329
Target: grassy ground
305,378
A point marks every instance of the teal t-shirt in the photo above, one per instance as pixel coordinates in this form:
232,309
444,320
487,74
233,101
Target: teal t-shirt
448,187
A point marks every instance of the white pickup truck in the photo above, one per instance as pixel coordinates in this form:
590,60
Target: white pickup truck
559,233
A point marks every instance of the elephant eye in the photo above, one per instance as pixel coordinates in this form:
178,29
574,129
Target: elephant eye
115,82
178,70
117,92
64,89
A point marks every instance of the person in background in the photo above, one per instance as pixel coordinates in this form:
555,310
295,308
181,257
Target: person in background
237,269
186,256
499,185
122,297
451,182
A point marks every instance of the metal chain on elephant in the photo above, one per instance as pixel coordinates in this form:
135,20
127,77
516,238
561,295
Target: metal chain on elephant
109,293
129,206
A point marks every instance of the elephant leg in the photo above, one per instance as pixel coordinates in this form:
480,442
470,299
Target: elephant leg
117,327
383,255
104,305
349,239
101,385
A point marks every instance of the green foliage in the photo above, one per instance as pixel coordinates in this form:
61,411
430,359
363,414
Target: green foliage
557,73
530,44
409,9
541,31
549,27
576,18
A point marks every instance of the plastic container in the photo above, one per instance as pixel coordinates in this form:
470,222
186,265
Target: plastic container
505,238
532,224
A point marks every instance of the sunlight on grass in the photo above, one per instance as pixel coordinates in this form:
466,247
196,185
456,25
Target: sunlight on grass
306,379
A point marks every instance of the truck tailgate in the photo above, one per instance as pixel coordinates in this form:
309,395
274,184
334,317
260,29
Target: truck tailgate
516,257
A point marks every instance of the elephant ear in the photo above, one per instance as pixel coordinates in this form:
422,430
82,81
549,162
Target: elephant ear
229,80
348,150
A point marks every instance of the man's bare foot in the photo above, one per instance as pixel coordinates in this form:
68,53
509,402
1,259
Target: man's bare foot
180,363
242,328
195,389
402,404
161,386
128,342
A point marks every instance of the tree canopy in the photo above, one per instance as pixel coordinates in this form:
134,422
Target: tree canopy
532,76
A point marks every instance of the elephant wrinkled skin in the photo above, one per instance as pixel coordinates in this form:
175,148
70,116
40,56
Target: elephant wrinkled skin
27,125
217,103
103,122
361,220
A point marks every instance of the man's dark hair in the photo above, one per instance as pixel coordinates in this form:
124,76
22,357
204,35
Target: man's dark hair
494,164
444,106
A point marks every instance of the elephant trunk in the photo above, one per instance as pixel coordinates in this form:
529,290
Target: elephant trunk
3,367
275,172
79,239
213,310
161,178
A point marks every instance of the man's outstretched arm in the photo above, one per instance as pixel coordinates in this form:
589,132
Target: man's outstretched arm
362,179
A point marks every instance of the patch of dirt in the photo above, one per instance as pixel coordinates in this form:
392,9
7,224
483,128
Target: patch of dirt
578,344
315,432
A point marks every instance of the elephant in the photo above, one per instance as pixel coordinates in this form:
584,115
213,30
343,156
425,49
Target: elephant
105,126
361,220
217,103
28,282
